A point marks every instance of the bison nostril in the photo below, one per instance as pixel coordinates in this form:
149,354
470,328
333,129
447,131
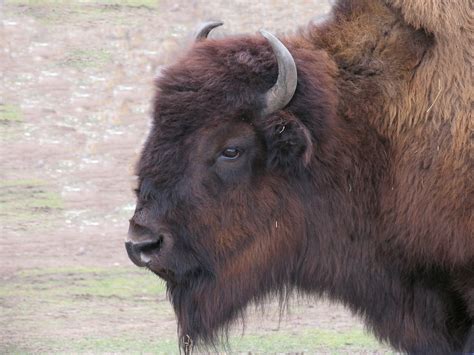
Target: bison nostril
150,245
140,252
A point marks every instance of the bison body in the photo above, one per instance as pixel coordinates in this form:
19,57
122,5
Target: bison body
358,189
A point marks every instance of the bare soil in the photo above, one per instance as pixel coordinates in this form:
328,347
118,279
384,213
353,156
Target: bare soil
75,90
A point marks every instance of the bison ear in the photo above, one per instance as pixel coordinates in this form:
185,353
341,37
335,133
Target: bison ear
289,143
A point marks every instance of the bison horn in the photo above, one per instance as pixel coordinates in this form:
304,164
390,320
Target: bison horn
282,92
204,28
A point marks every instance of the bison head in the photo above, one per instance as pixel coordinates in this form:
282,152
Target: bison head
225,173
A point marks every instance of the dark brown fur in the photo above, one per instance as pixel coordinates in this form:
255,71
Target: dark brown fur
358,190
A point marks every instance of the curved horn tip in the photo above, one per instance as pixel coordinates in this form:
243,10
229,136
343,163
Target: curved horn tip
204,28
267,34
282,92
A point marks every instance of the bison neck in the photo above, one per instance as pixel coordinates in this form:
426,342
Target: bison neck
379,240
389,77
347,259
344,219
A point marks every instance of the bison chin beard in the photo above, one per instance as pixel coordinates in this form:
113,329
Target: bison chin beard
206,306
240,265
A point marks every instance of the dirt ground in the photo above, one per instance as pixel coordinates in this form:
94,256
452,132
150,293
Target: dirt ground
75,90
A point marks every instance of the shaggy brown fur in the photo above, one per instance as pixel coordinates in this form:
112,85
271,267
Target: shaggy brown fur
360,189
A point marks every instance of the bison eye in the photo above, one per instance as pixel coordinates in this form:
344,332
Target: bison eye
230,153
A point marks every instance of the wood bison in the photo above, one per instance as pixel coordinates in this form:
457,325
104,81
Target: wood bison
335,163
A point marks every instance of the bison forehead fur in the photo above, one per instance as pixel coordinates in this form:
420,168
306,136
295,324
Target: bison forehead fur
344,192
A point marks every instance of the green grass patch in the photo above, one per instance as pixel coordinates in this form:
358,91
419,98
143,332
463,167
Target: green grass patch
72,297
147,3
10,113
11,119
28,201
48,271
306,341
87,58
64,283
123,344
60,12
42,303
21,183
309,341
